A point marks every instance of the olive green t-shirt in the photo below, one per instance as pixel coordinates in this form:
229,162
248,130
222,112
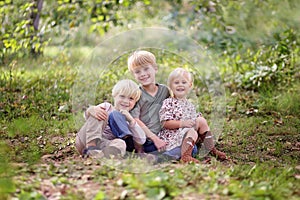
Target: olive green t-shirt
147,108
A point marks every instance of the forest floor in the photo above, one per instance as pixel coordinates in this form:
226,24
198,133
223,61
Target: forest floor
66,175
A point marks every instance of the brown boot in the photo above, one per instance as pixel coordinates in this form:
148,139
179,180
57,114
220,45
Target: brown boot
186,151
210,146
218,154
208,141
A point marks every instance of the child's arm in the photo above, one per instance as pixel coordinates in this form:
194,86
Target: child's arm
139,135
175,124
97,112
128,116
160,144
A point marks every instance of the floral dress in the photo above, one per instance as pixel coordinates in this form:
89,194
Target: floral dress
175,109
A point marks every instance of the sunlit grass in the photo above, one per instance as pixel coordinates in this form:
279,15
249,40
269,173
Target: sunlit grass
75,52
260,135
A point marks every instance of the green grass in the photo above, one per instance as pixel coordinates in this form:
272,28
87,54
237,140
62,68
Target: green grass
261,135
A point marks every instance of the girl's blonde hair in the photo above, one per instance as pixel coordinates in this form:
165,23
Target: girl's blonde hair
140,58
127,87
180,72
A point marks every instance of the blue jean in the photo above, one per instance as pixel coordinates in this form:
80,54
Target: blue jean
149,146
175,153
119,127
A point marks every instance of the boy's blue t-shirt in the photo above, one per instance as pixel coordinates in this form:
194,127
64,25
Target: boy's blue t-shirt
147,108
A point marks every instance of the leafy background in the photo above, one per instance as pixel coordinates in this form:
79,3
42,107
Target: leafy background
254,44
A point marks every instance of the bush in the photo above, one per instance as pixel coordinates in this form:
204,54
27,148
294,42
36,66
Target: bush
274,64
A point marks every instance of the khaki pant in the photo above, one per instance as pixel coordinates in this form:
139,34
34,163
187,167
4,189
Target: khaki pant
92,130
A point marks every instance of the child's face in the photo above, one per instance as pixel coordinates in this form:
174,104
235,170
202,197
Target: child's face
145,75
180,87
124,102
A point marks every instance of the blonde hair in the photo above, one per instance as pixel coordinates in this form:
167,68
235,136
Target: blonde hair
140,58
180,72
127,87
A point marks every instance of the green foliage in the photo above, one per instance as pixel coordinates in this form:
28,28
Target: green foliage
32,137
35,103
24,91
6,172
157,184
31,196
269,65
237,25
19,37
25,127
257,42
284,103
261,181
227,27
242,182
100,196
28,27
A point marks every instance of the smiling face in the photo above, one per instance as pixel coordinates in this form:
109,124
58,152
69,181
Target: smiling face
124,102
145,74
125,93
180,82
142,64
180,87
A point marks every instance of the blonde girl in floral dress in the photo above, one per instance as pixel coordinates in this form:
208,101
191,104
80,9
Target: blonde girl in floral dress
182,125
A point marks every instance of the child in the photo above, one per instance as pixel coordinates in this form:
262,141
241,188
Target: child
95,138
142,64
181,123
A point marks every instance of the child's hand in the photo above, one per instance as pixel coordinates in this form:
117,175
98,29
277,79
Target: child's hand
159,144
97,112
187,123
128,116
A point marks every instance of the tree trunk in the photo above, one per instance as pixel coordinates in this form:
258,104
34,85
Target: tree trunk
35,19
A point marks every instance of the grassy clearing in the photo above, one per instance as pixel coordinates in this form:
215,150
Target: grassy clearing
38,160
